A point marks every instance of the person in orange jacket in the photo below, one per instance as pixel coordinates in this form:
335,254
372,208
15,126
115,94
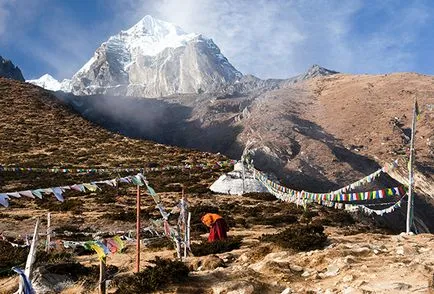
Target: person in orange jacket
218,227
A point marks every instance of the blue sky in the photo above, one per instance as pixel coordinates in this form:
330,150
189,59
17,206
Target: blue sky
267,38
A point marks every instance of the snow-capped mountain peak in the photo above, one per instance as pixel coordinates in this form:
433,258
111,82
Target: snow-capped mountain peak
150,36
48,82
154,27
153,58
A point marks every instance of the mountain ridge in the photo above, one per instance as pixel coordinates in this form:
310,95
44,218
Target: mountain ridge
9,70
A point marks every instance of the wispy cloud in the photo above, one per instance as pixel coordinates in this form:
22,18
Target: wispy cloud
282,38
278,38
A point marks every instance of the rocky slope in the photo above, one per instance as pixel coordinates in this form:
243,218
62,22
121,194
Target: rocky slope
9,70
316,134
38,130
152,59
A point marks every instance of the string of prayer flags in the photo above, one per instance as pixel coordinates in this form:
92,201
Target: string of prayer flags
332,200
138,179
380,212
285,192
112,246
218,164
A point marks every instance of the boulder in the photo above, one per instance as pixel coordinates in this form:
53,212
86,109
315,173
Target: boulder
211,262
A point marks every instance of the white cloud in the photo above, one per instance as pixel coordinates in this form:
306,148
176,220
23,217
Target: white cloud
271,39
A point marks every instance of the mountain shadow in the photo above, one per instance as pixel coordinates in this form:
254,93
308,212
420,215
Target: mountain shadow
154,119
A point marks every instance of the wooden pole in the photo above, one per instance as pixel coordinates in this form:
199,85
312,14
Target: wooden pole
47,249
410,212
31,257
184,220
188,230
102,270
244,179
137,269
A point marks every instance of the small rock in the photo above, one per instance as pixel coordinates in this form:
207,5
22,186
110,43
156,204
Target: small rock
296,268
332,270
423,250
401,286
287,291
351,290
410,249
349,259
360,283
361,251
234,287
305,274
348,279
243,258
400,250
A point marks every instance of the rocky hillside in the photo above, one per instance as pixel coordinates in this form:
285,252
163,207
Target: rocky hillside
9,70
151,59
316,134
39,131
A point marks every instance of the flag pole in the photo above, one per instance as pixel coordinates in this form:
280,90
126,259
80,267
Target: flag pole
137,269
410,212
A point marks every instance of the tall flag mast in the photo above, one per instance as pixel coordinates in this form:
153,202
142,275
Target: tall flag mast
410,211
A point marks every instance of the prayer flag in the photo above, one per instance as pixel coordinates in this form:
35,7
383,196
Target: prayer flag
58,193
14,194
90,187
4,200
27,193
27,286
416,110
37,193
99,251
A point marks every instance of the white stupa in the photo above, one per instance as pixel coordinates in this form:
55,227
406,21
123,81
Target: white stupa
232,182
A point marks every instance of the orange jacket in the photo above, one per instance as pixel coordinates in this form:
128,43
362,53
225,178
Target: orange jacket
210,218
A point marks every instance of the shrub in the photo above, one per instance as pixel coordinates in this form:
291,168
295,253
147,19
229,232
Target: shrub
161,243
341,218
126,216
11,256
260,196
43,257
153,278
299,237
73,205
207,248
20,217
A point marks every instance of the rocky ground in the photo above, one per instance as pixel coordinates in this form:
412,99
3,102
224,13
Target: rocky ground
356,258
